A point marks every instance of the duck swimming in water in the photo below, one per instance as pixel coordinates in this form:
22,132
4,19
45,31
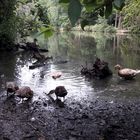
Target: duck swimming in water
126,73
56,75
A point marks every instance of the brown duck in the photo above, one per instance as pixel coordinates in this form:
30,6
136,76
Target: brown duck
59,91
11,87
126,73
24,92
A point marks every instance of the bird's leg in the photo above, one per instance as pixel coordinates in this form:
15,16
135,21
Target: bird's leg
7,93
21,100
56,97
63,99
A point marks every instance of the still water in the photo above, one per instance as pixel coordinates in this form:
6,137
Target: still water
78,49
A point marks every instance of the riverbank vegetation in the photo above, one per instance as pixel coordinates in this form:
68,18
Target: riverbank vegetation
22,18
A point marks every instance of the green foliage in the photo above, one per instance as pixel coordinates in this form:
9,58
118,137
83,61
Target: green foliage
84,23
7,23
64,1
99,7
132,16
119,4
101,26
47,32
108,9
57,13
74,11
31,16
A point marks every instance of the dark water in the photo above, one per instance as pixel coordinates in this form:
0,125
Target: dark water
79,49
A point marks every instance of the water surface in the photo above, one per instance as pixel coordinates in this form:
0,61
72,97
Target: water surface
78,49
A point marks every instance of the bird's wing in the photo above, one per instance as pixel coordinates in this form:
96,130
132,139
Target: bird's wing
127,71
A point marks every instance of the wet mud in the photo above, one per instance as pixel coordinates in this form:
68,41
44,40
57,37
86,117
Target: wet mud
46,119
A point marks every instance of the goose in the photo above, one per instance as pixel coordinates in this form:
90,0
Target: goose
59,91
126,73
11,87
24,92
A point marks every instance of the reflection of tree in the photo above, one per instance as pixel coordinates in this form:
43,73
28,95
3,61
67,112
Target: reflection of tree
126,50
57,45
114,49
74,46
104,47
83,47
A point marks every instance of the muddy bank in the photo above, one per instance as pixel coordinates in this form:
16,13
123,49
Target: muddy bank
43,119
106,109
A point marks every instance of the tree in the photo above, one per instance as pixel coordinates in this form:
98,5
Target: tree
7,23
98,7
131,14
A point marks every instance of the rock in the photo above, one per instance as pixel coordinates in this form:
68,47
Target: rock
100,70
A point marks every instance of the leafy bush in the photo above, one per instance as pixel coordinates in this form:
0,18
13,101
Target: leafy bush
101,26
7,24
132,16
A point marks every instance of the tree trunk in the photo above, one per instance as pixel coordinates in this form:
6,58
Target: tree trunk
120,21
116,20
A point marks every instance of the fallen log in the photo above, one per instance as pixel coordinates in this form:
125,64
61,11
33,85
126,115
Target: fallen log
40,62
31,47
43,50
36,65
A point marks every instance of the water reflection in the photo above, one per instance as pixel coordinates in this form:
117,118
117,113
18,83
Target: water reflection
78,49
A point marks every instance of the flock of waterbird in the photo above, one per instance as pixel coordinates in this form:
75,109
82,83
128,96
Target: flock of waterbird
26,92
60,91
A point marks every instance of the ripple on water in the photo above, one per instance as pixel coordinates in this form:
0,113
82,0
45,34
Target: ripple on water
76,85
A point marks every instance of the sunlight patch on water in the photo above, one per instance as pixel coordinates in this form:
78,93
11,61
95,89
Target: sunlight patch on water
76,85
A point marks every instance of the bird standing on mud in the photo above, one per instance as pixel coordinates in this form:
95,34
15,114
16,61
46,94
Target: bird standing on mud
11,87
59,91
24,92
126,73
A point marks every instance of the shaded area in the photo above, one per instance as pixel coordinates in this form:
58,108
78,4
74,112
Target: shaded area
99,119
94,109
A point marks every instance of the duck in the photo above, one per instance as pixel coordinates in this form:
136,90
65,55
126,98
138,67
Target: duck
56,75
11,87
59,91
126,73
24,92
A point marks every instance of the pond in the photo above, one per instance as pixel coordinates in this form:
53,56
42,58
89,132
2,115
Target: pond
78,48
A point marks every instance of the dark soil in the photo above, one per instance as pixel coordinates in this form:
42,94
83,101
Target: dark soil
46,119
